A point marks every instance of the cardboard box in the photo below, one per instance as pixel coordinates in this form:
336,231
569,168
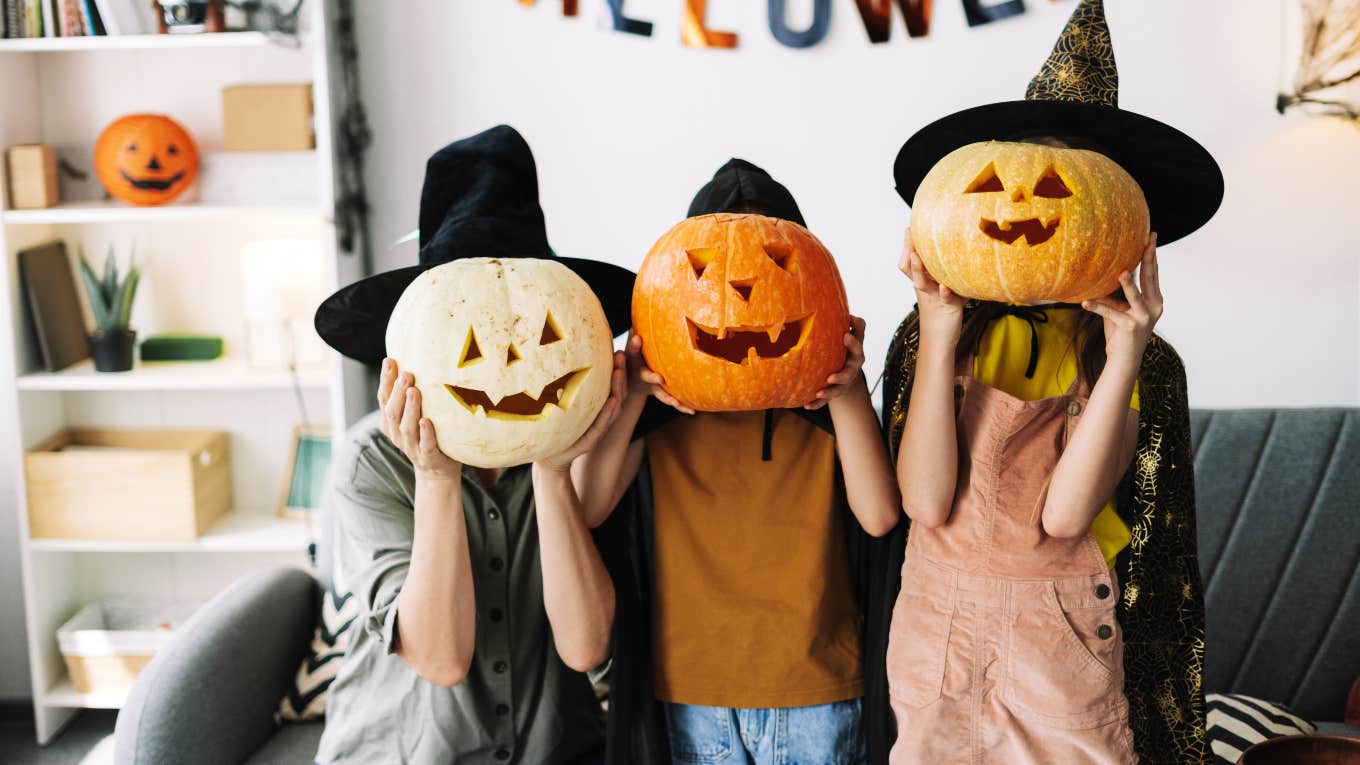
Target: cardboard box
128,485
32,177
267,118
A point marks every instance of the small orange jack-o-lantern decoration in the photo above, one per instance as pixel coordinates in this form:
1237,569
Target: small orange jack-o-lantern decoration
741,312
1023,222
145,159
512,356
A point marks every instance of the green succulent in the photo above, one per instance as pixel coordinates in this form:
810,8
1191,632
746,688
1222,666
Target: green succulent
110,299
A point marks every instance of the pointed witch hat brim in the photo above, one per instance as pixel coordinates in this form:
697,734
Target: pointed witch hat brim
1076,95
479,200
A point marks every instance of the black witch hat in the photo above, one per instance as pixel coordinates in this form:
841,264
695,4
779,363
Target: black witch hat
1076,94
480,200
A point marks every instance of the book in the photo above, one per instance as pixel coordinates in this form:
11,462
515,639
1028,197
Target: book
53,305
4,19
32,19
48,11
89,20
70,19
121,17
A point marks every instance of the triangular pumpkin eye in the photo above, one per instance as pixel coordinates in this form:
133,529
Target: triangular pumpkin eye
780,253
1051,185
700,257
986,181
551,333
471,351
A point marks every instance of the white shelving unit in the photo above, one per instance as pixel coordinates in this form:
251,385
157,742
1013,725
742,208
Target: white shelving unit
63,92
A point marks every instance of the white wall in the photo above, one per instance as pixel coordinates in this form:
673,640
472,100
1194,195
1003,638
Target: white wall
1264,303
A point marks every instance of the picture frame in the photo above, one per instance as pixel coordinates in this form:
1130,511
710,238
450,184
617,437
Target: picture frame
304,481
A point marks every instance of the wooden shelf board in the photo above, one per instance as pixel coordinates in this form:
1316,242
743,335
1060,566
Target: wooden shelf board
64,694
135,42
222,374
235,532
109,211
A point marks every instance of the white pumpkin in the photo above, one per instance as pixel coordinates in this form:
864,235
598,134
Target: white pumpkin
512,356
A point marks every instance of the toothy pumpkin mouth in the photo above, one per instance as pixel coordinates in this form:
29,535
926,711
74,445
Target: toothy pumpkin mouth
152,184
1034,231
743,345
521,406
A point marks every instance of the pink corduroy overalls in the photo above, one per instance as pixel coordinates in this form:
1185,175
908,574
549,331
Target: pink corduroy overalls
1004,645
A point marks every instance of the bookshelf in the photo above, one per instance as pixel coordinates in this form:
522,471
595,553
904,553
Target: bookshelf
62,91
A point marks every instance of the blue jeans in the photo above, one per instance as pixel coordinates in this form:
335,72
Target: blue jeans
826,734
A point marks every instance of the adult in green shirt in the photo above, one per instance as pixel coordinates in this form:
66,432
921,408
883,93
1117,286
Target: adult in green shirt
484,602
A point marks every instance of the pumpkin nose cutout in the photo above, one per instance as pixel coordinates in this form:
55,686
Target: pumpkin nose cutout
154,164
511,355
743,287
1018,196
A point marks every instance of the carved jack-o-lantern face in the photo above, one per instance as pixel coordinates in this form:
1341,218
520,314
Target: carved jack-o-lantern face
741,312
512,356
145,159
1023,222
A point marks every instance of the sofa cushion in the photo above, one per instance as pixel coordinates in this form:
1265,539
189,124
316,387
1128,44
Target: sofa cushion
1279,539
310,690
1235,722
292,745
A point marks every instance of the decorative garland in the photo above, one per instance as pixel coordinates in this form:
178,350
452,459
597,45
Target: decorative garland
876,16
352,138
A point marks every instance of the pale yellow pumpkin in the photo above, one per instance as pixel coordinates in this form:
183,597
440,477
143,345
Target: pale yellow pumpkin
1026,223
512,356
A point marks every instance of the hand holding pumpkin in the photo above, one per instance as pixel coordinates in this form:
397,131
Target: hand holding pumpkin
1128,325
839,383
941,309
618,389
643,381
401,422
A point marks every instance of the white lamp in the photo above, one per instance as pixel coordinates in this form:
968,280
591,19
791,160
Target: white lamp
283,281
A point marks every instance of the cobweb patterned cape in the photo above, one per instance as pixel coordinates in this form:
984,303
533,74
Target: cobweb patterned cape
1161,607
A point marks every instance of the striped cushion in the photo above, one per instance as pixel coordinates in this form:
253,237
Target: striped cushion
306,697
1235,722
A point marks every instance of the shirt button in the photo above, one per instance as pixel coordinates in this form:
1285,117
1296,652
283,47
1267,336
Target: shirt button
497,564
1104,632
502,709
493,514
502,754
1102,591
496,614
500,666
1074,408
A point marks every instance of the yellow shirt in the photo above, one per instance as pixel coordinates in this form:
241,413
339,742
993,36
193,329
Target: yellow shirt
1000,363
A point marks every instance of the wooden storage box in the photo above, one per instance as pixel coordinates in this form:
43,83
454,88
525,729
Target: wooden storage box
268,118
108,643
32,177
128,485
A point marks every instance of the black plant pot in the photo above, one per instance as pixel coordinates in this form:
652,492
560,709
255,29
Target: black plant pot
112,351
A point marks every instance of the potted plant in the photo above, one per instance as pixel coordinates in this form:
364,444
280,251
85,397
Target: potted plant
112,343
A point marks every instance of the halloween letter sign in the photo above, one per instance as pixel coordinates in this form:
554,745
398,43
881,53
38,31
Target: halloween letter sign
821,24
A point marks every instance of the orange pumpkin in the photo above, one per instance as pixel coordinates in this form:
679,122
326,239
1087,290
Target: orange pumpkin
145,159
1023,222
741,312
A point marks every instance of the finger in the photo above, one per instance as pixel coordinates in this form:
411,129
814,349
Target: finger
815,405
634,347
666,398
1152,284
618,381
428,443
857,327
396,402
842,378
410,420
920,278
649,377
1132,294
1101,309
386,379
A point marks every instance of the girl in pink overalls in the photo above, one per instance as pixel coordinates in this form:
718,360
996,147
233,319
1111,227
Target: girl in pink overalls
1004,646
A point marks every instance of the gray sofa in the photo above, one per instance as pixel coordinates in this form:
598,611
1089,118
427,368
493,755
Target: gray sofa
1278,495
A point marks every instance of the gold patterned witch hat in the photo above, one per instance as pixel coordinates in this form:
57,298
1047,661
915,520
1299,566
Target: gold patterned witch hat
1076,95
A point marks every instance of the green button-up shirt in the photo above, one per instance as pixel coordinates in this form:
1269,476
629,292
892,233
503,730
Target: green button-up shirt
519,702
